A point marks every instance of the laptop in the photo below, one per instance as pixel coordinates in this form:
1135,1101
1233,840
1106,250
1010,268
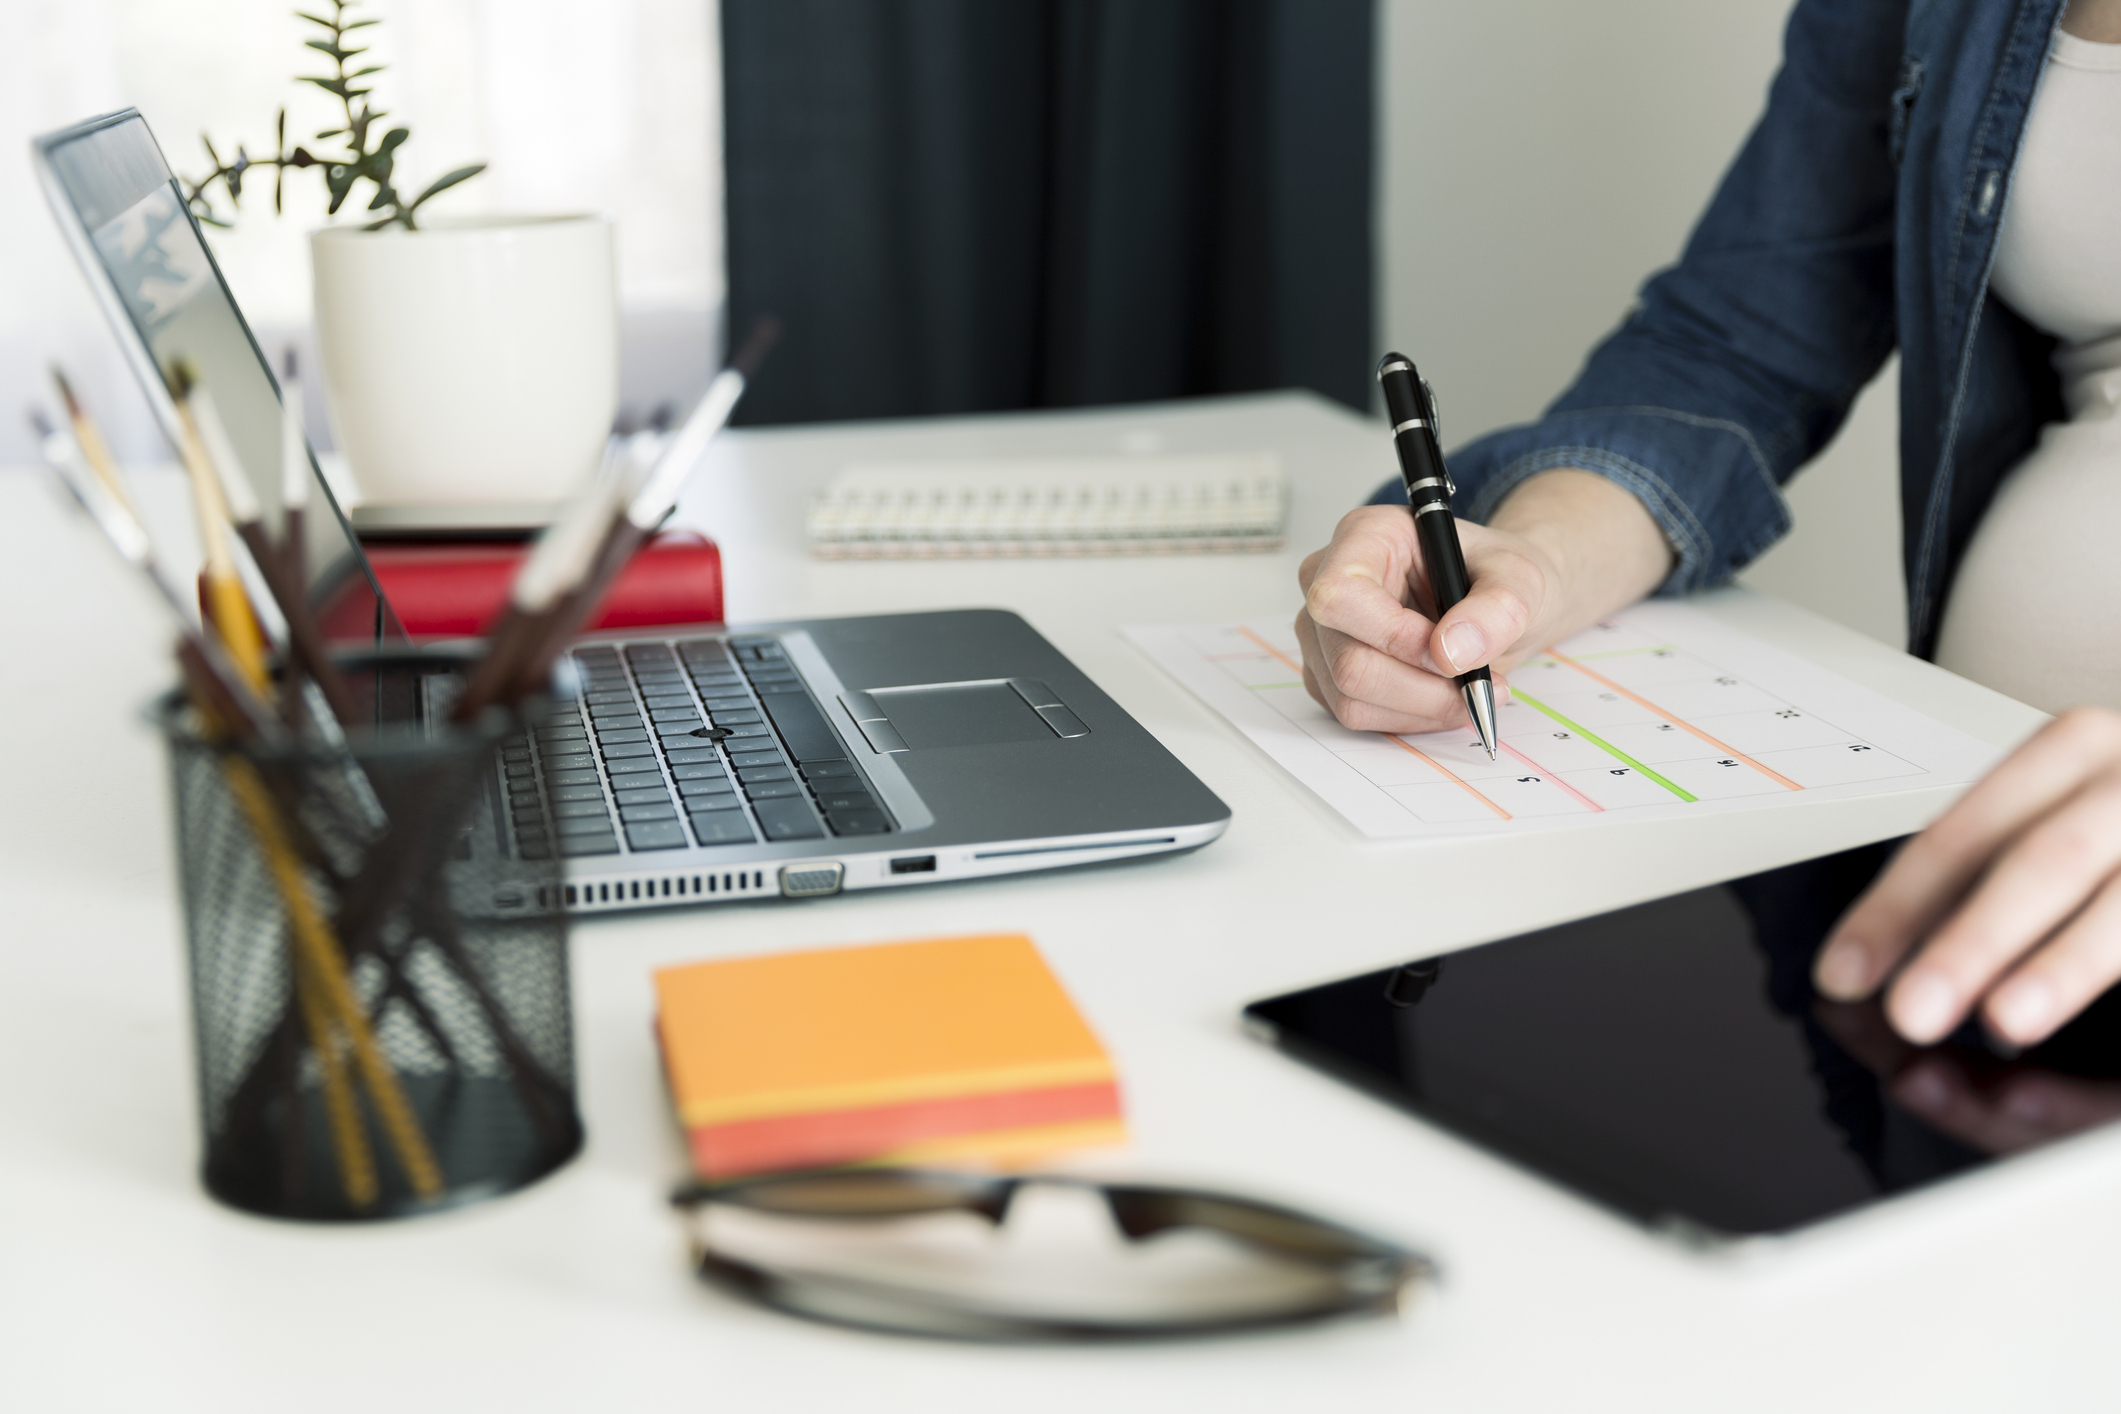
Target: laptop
693,765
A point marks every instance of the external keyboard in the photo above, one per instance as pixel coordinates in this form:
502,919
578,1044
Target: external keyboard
698,742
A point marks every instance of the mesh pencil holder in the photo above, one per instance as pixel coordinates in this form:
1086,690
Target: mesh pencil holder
379,987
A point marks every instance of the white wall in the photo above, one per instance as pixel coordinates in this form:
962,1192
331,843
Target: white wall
1539,159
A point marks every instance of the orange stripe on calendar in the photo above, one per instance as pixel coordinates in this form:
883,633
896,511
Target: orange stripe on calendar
1685,726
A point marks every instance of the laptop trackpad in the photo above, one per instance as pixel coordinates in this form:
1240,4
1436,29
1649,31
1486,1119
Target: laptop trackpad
960,714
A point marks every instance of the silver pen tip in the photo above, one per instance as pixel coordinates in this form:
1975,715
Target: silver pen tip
1480,706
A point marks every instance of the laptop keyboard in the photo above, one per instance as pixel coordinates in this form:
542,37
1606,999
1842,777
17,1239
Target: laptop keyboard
675,744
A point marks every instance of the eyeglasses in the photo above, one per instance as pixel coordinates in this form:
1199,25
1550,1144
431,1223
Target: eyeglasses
926,1253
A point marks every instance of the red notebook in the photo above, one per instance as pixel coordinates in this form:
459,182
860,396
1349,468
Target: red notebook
455,589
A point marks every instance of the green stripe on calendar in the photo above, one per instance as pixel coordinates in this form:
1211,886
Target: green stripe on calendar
1602,744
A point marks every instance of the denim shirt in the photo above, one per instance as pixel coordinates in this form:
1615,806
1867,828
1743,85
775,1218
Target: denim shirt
1860,216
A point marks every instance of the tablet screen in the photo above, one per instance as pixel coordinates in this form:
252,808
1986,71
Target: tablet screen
1672,1060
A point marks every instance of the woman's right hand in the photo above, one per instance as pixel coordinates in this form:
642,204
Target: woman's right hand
1564,550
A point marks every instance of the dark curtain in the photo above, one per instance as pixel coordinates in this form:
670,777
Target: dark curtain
973,205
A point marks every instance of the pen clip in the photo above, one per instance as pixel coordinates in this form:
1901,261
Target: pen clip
1428,407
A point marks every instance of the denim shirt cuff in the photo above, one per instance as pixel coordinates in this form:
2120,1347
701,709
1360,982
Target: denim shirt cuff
1703,481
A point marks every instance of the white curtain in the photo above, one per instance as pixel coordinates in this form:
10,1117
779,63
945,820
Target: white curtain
578,105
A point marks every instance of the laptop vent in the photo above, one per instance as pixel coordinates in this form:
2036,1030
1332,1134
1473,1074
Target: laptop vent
631,892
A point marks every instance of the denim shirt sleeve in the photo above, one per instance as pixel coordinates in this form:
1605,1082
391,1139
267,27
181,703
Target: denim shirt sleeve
1738,364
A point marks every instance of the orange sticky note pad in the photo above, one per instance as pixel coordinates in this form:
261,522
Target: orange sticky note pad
946,1049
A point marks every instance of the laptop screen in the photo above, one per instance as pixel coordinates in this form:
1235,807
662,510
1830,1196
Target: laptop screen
157,280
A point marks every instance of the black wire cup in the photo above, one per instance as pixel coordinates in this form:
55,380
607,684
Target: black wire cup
379,985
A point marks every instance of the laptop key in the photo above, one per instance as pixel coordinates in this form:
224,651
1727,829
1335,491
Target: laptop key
658,796
697,770
787,820
858,822
773,790
570,809
803,727
575,846
582,792
728,827
820,770
606,696
775,772
623,736
755,758
642,814
659,834
632,766
569,829
698,755
833,801
620,750
716,784
576,777
708,804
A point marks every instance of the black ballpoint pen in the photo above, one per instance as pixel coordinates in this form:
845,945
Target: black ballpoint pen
1411,405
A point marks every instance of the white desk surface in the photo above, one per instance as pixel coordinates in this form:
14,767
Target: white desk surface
122,1286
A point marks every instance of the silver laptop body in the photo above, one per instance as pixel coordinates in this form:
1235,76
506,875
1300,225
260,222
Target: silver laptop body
792,759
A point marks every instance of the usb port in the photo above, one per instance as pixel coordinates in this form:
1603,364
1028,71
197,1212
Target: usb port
914,864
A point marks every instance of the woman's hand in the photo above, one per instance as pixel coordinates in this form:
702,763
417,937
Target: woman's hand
2010,902
1566,549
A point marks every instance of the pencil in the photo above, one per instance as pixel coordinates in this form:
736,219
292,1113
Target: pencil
94,450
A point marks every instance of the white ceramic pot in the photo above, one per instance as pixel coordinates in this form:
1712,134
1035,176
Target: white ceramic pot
471,363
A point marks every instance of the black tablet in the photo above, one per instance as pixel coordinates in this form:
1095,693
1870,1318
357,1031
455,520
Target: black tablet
1672,1060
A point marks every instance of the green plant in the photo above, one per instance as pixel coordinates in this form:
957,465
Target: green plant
369,156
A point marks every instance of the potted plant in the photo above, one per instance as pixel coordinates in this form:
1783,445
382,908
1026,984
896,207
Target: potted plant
470,364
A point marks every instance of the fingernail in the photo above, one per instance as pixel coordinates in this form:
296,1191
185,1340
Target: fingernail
1465,645
2024,1008
1921,1006
1844,973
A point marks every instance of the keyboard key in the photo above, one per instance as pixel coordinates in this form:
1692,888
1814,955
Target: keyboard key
659,834
632,766
600,710
717,785
731,701
727,827
623,734
698,754
620,750
764,773
773,790
832,802
582,792
590,825
572,778
575,846
606,696
567,761
823,770
658,796
570,809
675,713
787,820
708,804
678,736
642,814
858,822
517,773
697,770
755,758
541,849
734,716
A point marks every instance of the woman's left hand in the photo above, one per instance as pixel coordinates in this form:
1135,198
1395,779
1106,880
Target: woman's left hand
2010,902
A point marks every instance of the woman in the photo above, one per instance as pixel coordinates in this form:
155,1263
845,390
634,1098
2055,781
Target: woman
1943,178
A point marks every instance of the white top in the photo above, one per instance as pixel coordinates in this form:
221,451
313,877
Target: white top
2036,609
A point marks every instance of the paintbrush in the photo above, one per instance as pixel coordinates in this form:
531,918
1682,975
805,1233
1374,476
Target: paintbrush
644,508
208,667
195,405
94,450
